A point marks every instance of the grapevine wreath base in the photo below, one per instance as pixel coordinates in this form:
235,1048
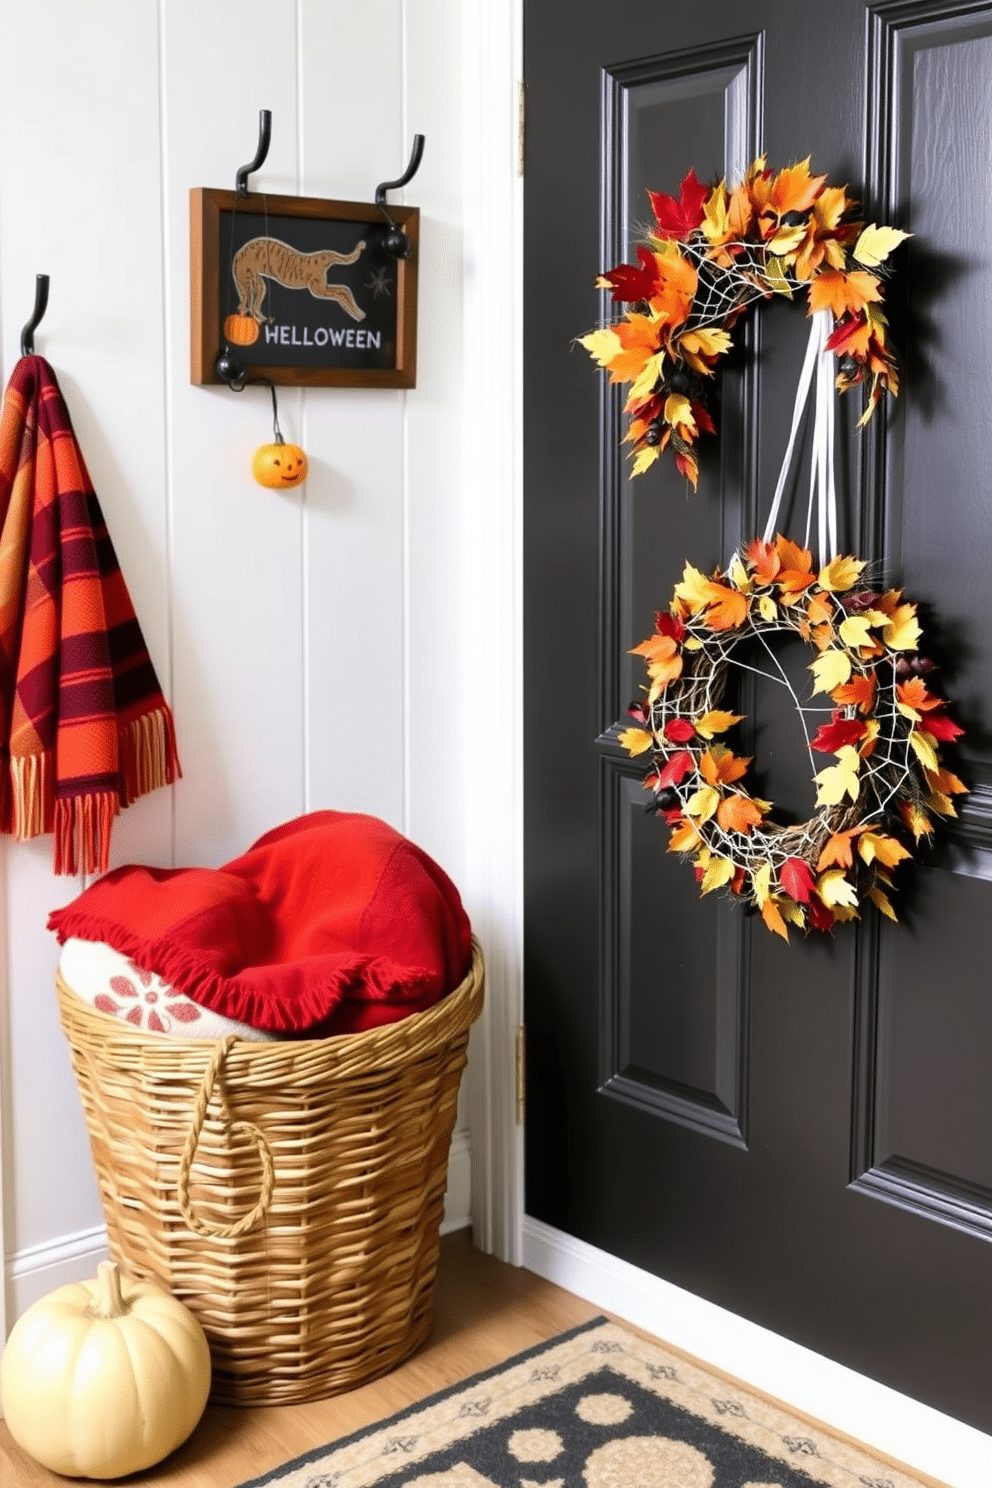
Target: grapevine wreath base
884,732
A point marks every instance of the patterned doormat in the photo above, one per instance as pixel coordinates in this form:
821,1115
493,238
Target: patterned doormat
597,1407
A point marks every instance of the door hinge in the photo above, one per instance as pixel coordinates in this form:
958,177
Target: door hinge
521,125
521,1062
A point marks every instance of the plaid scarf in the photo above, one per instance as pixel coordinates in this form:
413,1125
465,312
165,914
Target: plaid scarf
84,728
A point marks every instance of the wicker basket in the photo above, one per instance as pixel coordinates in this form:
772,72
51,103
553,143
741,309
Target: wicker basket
289,1193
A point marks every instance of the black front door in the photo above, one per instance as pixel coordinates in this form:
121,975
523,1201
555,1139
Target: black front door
801,1133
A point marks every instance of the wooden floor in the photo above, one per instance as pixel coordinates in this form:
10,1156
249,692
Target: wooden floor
484,1312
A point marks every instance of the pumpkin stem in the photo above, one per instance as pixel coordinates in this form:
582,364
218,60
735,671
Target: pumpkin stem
108,1302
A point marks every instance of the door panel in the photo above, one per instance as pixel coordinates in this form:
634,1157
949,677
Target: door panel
799,1133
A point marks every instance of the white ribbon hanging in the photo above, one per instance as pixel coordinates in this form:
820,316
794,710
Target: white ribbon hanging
822,486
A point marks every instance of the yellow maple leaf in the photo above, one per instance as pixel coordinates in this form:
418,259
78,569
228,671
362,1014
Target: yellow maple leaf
841,574
644,459
678,412
719,872
831,669
635,740
855,631
774,276
923,747
708,340
739,576
694,589
768,609
715,223
602,345
715,722
786,240
702,803
881,901
834,889
902,633
840,780
876,243
877,847
792,912
761,883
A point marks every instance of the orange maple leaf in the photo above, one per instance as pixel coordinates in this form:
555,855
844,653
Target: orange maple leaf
720,766
794,189
858,693
684,837
797,567
837,849
640,338
677,280
737,813
764,559
840,292
726,609
819,609
915,695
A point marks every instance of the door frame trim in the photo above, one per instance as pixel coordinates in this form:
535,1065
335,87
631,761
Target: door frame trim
917,1436
492,604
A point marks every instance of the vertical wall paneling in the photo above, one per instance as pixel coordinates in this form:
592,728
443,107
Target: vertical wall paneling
354,493
311,641
237,629
81,203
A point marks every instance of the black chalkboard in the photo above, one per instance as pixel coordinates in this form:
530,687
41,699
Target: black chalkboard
302,290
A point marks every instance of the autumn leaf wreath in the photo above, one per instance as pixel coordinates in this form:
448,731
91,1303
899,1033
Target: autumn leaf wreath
712,253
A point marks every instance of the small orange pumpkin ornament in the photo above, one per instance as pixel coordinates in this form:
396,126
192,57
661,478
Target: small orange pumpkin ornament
279,464
242,330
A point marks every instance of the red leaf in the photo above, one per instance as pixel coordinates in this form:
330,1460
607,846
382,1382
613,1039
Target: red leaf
675,771
839,731
796,880
943,728
820,917
701,415
630,283
638,711
667,625
679,730
676,219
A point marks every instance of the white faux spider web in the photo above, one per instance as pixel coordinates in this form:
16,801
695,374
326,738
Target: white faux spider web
721,292
887,774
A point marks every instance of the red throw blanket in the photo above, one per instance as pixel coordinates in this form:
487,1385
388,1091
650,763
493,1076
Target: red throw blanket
329,924
84,728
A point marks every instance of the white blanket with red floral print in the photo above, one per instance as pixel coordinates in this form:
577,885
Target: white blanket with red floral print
113,985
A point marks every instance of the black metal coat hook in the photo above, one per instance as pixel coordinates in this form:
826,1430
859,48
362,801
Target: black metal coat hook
396,241
40,306
264,140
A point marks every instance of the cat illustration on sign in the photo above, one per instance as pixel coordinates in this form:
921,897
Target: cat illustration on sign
270,258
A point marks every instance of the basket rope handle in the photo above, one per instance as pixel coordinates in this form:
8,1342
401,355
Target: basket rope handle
202,1226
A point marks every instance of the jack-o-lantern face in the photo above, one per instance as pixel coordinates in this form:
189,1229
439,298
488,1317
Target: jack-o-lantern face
279,464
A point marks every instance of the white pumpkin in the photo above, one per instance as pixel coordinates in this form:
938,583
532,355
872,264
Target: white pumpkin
105,1377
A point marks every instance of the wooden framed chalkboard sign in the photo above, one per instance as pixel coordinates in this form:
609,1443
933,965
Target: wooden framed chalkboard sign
303,291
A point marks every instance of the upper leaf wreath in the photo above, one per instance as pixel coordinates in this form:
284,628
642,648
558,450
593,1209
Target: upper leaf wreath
712,253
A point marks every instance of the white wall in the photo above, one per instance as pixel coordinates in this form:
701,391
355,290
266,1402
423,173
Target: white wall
311,641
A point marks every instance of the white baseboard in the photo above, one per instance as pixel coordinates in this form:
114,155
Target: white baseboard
912,1433
458,1199
39,1269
